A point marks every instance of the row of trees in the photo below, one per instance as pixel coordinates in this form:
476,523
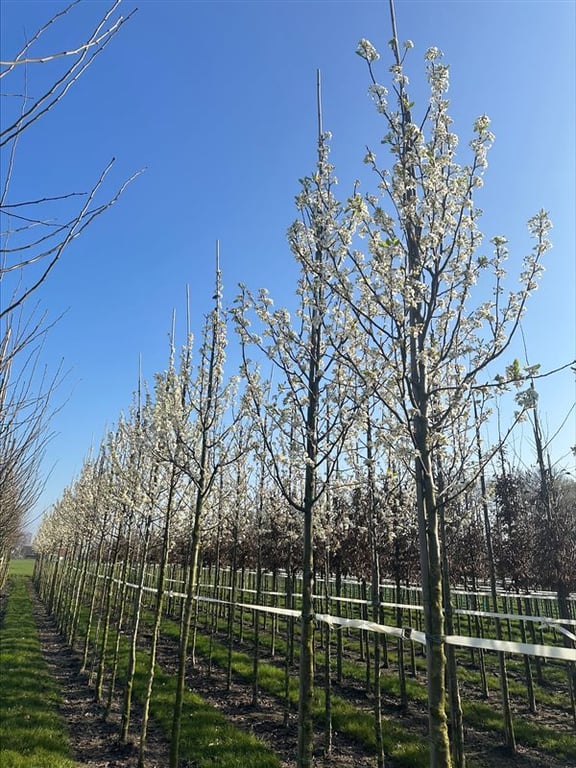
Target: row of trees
36,230
137,503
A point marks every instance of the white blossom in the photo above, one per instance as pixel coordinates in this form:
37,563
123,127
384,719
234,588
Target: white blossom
367,51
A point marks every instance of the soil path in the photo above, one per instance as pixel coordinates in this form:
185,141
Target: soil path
93,739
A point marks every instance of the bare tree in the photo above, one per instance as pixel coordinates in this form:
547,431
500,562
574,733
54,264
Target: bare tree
34,233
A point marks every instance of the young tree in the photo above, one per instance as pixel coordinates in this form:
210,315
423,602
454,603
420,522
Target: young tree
202,439
314,409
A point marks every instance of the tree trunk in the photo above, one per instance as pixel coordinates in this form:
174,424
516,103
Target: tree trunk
432,596
327,662
456,721
339,633
129,686
194,558
160,591
401,669
121,612
509,736
306,675
232,606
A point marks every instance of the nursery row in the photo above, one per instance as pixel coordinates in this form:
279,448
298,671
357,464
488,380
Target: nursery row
110,618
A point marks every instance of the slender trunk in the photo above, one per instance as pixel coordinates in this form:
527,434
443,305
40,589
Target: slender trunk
401,669
339,633
327,662
257,600
95,590
207,419
54,579
456,720
121,610
527,663
132,657
232,606
432,597
377,672
186,626
289,659
306,677
509,736
375,594
366,640
529,610
99,688
79,597
479,627
160,593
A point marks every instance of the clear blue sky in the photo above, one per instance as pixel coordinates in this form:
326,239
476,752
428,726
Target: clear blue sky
217,100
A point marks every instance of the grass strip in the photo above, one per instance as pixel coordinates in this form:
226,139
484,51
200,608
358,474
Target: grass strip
560,744
403,746
21,566
208,740
32,732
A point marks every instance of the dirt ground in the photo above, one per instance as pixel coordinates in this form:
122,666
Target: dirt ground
95,744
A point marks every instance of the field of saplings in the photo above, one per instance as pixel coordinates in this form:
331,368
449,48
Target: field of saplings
241,693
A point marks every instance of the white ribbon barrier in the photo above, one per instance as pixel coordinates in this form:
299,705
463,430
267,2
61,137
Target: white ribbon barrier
408,633
506,646
547,624
544,620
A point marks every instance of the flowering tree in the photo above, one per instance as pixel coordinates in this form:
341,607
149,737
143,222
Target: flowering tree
201,432
316,403
414,295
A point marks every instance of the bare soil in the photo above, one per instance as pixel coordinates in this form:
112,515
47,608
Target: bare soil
94,738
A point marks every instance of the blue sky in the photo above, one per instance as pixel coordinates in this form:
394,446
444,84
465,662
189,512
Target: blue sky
217,101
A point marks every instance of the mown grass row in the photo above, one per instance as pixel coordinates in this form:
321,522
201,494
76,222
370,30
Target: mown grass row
408,749
32,733
208,740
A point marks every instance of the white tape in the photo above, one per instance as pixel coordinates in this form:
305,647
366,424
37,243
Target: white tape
516,617
408,633
405,632
506,646
560,629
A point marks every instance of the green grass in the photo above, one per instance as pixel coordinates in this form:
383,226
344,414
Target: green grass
358,725
21,567
32,734
406,748
532,734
